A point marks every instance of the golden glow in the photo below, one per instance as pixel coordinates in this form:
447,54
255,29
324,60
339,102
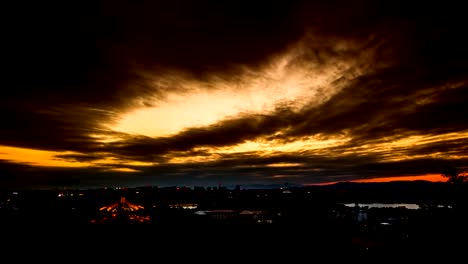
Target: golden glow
46,158
194,159
274,146
287,80
37,157
386,149
292,80
426,139
263,147
392,150
103,138
280,165
139,163
123,170
116,161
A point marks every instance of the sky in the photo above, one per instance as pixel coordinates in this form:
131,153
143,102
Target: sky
197,93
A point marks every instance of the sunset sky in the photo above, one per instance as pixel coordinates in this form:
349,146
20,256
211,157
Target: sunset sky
133,93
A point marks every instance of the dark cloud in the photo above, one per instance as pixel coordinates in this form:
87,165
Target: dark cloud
26,176
70,67
81,157
51,127
221,134
62,60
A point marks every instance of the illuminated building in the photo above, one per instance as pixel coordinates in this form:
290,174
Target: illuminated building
184,206
122,212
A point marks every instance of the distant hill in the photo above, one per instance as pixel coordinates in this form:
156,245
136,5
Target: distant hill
396,191
390,192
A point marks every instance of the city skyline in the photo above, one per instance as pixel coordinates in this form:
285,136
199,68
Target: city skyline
199,93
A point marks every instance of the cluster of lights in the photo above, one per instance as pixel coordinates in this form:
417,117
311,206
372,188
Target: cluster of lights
122,207
184,206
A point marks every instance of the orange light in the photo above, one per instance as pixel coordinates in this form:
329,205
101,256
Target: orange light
427,177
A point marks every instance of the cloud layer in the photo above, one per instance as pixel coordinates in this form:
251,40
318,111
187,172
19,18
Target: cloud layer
201,92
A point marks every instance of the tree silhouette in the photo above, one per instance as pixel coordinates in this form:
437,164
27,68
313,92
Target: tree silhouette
454,175
458,181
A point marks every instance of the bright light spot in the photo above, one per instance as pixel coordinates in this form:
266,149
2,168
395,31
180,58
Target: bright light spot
287,80
280,165
123,170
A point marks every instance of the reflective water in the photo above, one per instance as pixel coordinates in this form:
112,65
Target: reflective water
384,205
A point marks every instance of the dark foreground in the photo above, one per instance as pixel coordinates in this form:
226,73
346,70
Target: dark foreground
292,225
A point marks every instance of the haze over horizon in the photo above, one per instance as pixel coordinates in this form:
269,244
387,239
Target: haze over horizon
237,92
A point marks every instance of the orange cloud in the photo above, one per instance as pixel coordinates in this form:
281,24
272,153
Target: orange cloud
286,80
38,157
44,158
427,177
